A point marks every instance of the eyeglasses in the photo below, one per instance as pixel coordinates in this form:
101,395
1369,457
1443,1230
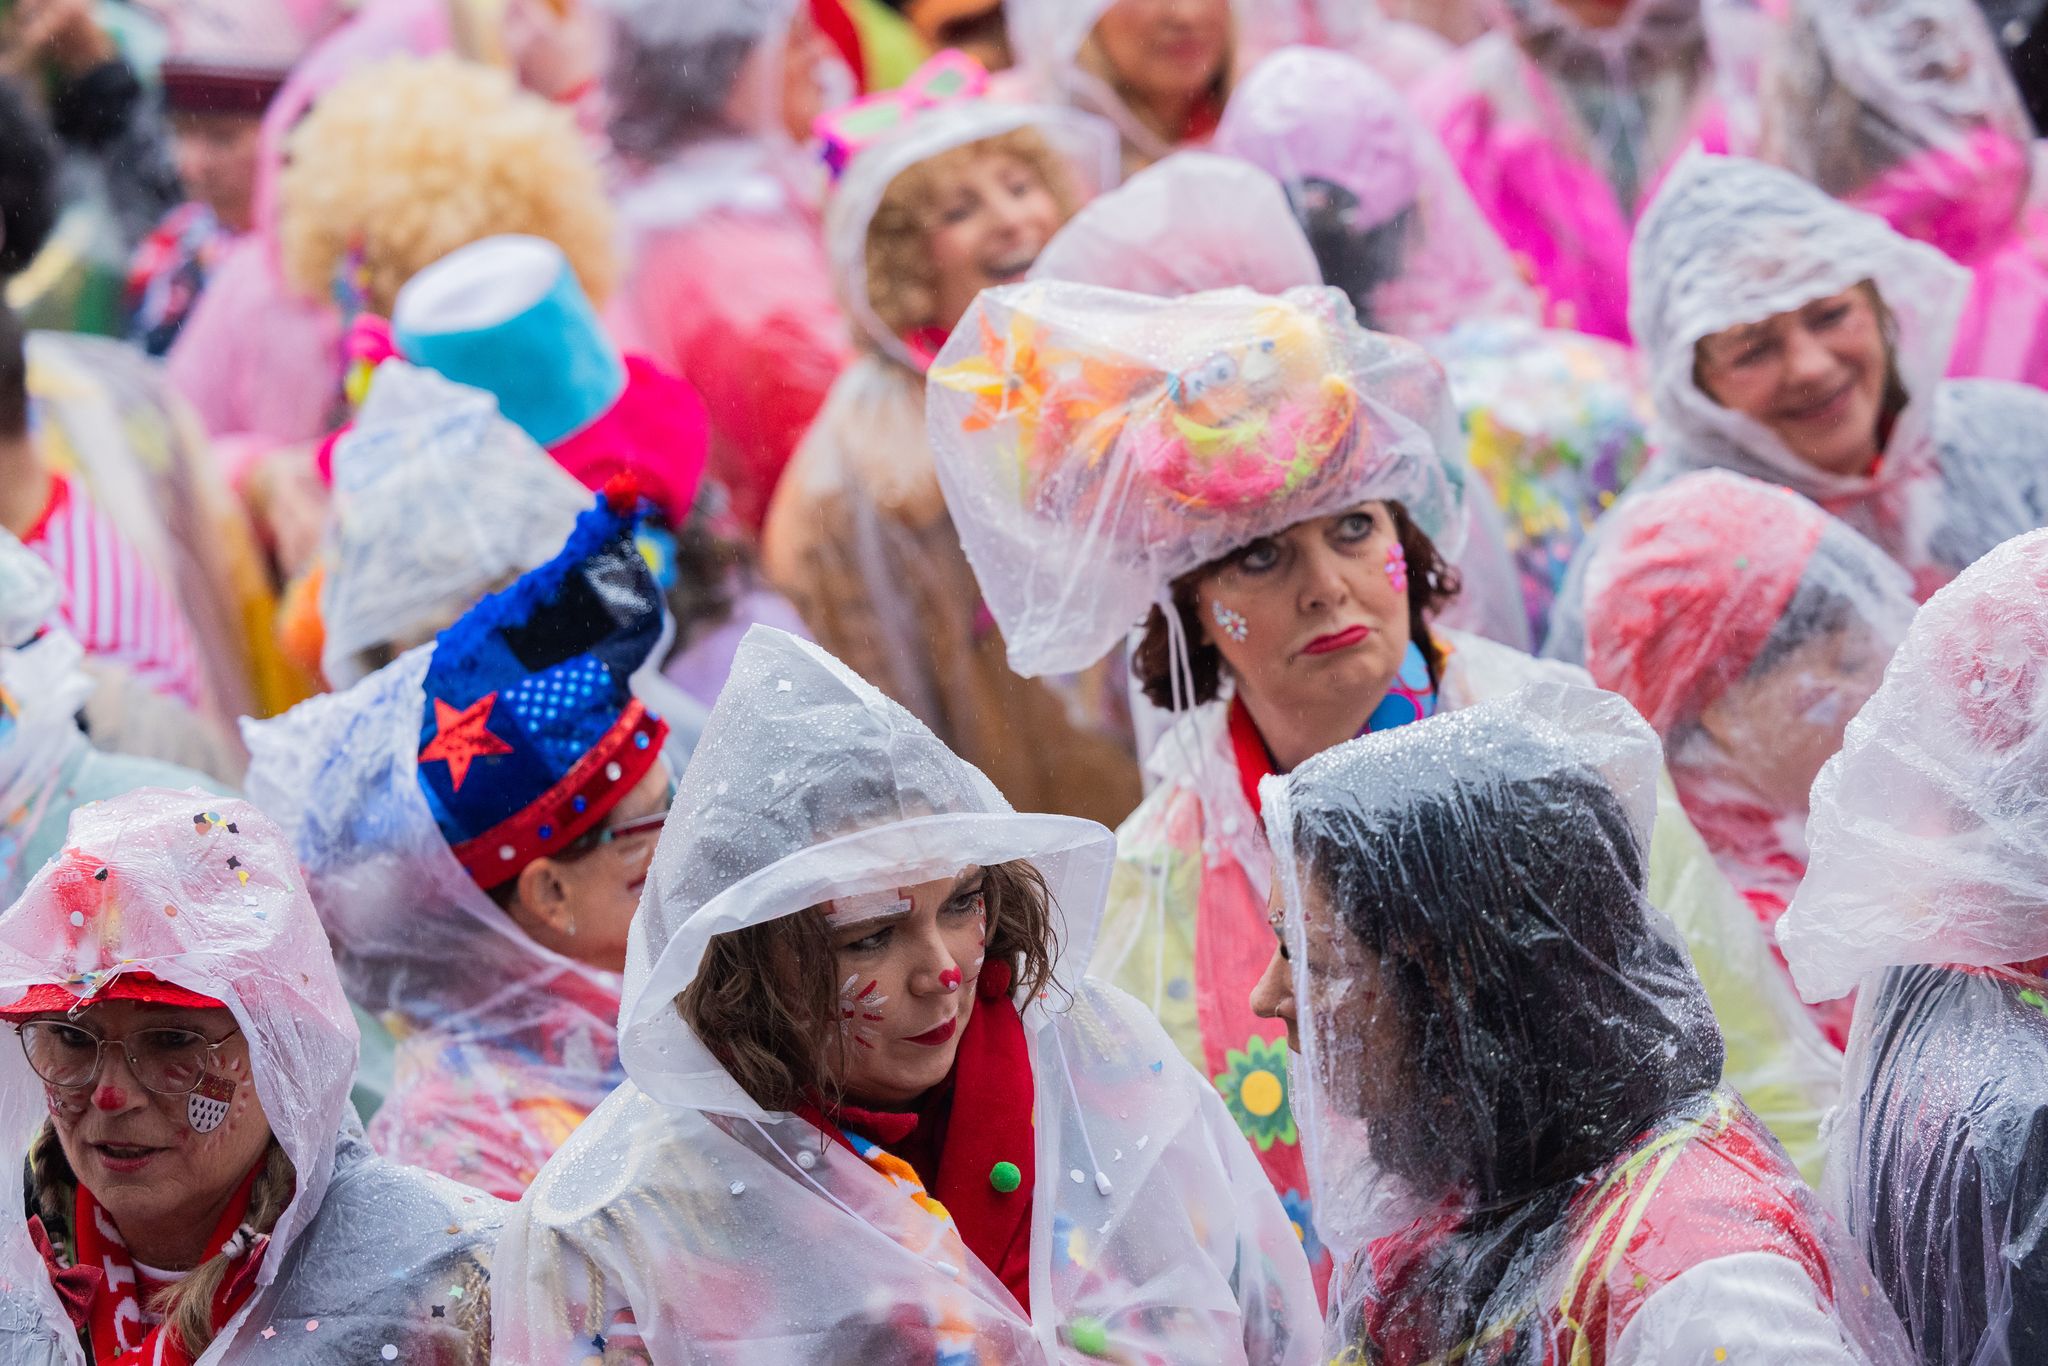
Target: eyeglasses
169,1062
595,840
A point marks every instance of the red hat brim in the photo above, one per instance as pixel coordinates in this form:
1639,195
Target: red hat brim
142,987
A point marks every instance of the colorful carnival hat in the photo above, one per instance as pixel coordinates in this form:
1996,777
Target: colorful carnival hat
508,316
530,731
1095,445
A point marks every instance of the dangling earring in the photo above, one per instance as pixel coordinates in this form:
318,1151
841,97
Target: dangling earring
1397,567
1233,623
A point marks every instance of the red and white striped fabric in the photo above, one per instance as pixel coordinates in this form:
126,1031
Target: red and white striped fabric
112,601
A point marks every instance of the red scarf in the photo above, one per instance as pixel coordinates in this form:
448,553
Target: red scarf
982,1116
114,1317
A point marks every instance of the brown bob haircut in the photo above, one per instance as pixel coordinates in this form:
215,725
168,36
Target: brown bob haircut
766,1001
1431,583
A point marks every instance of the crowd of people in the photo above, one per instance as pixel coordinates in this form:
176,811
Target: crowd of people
1006,682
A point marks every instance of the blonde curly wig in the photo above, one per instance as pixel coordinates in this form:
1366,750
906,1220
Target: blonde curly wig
411,158
902,285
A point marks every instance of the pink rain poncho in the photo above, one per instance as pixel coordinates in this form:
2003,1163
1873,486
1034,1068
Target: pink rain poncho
204,894
1563,131
726,282
1732,242
858,535
1111,514
1747,626
1510,1078
1929,872
1905,108
1554,419
685,1218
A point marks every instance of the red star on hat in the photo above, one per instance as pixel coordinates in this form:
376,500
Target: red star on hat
461,737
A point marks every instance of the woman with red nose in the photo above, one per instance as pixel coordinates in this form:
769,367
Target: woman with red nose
197,1185
875,1112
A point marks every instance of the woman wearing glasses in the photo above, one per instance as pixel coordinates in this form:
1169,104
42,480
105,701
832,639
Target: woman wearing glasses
180,1099
476,820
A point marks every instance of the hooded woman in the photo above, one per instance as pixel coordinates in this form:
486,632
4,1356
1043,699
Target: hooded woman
1158,69
1801,342
1905,109
1925,894
873,1114
203,1190
516,732
1554,419
955,195
707,103
1267,490
1521,1150
1747,626
1562,121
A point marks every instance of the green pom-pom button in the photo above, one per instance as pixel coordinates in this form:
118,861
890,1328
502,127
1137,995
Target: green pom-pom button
1088,1337
1005,1177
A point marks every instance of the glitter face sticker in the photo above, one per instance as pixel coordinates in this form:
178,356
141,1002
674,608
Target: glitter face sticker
1397,567
1231,623
206,1109
860,1011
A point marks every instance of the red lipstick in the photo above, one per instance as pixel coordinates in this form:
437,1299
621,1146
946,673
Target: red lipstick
1337,640
932,1038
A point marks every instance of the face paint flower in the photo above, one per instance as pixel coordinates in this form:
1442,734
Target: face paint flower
1232,623
860,1011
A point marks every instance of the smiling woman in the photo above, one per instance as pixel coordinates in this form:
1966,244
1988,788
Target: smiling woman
179,1095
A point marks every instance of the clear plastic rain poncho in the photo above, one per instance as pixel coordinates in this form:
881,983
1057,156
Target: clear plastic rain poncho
204,893
502,1046
1562,131
438,500
1730,242
723,1233
858,535
47,766
1509,1072
1554,420
1748,627
1905,108
1096,445
1056,58
1197,221
1190,222
1929,874
1079,525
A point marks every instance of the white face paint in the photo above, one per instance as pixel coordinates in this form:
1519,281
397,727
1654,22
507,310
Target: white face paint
860,1010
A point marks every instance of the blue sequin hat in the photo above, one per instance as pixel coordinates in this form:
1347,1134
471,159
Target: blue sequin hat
529,731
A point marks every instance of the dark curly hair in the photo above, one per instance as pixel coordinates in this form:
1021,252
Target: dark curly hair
28,181
1431,583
